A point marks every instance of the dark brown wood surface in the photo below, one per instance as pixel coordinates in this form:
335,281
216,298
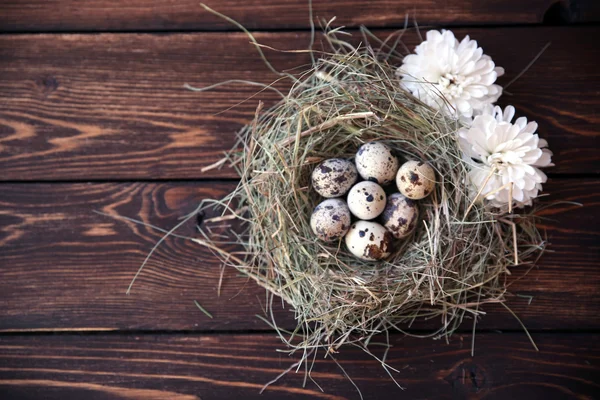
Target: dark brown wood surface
50,234
113,106
157,15
505,366
94,116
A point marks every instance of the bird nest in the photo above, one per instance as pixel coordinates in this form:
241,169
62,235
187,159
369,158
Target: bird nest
454,262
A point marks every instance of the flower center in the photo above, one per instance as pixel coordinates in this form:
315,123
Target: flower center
451,84
500,160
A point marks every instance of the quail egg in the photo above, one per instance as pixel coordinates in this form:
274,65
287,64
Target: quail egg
369,241
330,220
376,162
400,215
334,177
415,179
366,200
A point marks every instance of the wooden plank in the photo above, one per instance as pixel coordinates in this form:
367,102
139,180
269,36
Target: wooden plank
585,10
155,15
237,366
62,267
80,107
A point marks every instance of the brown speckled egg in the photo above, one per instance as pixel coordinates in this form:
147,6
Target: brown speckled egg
400,215
366,200
376,162
330,220
334,177
415,179
369,241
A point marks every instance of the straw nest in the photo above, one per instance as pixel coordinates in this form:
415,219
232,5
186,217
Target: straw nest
454,263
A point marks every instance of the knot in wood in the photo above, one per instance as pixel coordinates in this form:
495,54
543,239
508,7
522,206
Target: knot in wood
468,377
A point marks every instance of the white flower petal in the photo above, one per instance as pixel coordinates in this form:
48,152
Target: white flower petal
513,152
458,71
509,113
545,159
521,123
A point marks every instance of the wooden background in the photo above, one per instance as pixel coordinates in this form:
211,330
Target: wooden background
93,116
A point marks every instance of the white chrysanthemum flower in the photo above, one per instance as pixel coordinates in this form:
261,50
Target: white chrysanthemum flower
501,153
458,71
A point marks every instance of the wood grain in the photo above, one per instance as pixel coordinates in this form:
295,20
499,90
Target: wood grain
62,267
235,366
155,15
108,106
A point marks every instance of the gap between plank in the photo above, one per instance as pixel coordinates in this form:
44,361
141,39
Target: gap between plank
188,332
293,30
225,179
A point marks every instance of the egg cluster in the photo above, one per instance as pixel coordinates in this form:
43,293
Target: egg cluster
379,218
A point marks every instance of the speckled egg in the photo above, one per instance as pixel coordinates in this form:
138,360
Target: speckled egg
330,220
366,200
415,179
369,241
400,215
376,162
334,177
